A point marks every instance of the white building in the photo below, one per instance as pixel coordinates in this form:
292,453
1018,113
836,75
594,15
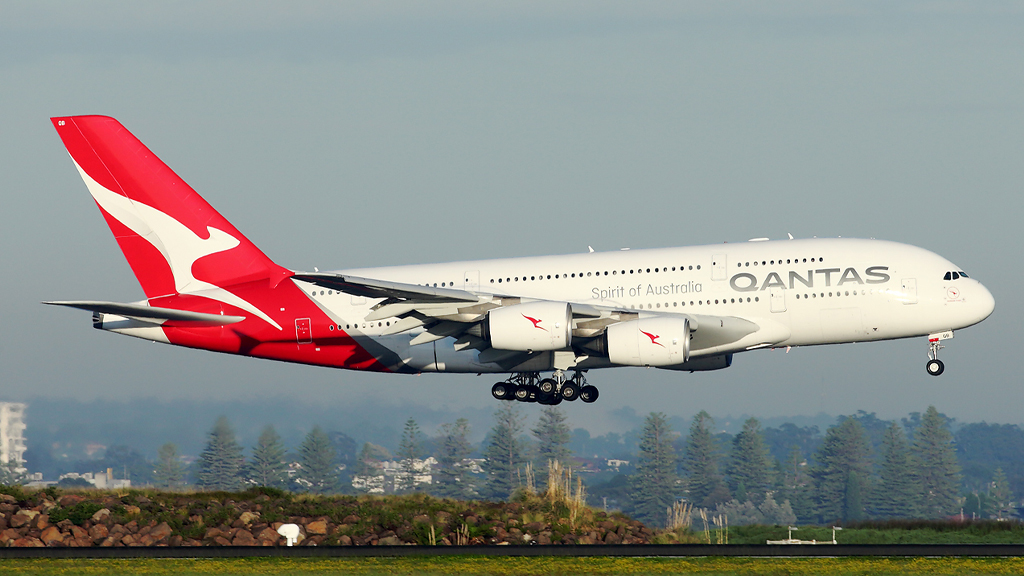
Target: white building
101,480
12,433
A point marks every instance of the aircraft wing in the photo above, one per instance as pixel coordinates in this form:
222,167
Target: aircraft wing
448,312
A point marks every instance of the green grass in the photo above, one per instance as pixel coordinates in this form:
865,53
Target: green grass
515,566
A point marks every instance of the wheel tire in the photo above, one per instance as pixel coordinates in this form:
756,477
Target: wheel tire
501,391
935,367
589,394
548,386
569,392
522,393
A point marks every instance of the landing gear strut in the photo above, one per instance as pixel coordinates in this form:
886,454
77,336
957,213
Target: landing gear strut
935,366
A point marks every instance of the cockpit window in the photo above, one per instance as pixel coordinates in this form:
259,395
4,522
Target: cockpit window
964,274
956,276
948,276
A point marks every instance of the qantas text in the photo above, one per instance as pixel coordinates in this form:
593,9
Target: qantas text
746,282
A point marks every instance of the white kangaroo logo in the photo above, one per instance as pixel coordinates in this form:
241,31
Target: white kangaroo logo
180,246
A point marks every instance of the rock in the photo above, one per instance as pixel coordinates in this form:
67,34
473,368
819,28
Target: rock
42,522
131,527
28,542
132,510
143,500
612,538
107,542
127,540
195,519
78,532
350,519
421,519
443,517
243,538
160,531
100,515
345,541
317,528
8,499
544,538
248,517
387,534
9,535
70,499
268,537
212,533
533,527
145,540
50,534
174,540
472,520
221,541
389,541
98,533
606,526
22,518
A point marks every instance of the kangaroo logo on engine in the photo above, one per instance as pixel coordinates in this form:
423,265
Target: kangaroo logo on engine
536,323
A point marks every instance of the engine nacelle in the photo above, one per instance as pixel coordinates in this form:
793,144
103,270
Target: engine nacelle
649,342
533,326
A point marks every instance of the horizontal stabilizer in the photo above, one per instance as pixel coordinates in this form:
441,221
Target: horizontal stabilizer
150,313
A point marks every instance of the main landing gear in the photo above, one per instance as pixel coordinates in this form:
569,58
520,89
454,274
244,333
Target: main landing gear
530,387
935,366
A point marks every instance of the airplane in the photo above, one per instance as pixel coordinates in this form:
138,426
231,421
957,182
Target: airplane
541,322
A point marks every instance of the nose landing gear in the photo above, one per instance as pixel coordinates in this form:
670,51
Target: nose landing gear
935,367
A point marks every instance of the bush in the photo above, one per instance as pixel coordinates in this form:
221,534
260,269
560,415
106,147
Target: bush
78,513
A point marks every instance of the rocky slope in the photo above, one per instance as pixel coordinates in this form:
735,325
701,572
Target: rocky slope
148,518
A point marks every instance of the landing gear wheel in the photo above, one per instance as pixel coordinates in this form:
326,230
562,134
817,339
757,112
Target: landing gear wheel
522,393
502,391
547,386
589,394
935,367
569,392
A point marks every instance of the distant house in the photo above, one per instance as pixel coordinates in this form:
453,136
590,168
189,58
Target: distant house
391,476
615,464
101,480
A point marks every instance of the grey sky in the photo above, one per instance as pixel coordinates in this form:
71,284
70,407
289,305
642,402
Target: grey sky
353,134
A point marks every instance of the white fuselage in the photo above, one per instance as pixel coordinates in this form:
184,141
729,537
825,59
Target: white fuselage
798,292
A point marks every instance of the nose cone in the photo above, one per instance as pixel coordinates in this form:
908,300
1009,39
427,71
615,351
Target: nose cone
983,303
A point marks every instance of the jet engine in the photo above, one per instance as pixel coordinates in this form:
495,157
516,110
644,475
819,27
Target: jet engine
533,326
649,342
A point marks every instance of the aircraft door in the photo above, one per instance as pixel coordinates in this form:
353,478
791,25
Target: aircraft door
909,290
472,280
718,271
303,332
778,299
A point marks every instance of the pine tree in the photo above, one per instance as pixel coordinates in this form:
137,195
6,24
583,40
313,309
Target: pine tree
795,486
450,480
898,492
409,451
316,455
842,472
504,452
1000,493
553,435
700,463
370,457
220,464
749,466
654,487
267,466
938,470
169,471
